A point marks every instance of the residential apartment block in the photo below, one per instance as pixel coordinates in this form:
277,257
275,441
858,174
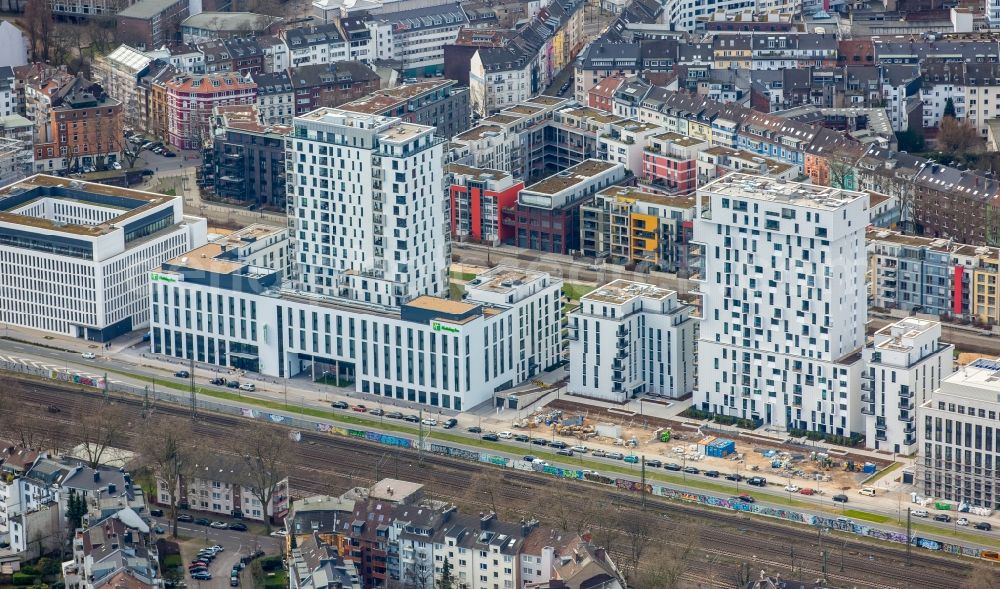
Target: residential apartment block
783,303
627,226
438,103
190,101
628,339
149,24
548,212
904,365
219,485
482,204
74,255
960,437
246,161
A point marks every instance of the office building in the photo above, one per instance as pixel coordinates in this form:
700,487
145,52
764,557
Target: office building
624,225
366,209
629,339
783,303
74,256
960,437
904,364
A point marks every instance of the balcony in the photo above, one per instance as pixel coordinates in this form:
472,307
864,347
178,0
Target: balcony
907,394
621,355
618,377
622,331
910,428
868,409
868,375
881,437
617,364
906,405
622,344
868,397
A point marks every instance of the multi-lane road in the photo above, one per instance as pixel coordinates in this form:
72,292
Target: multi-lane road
324,464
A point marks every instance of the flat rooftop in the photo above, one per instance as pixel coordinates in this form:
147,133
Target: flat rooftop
40,186
586,112
403,132
249,234
934,243
983,376
441,305
345,118
394,490
622,291
380,101
546,100
570,177
629,192
904,329
524,109
503,279
476,172
774,190
206,259
478,132
678,139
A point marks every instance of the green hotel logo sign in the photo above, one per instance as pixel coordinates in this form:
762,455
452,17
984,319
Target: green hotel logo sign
157,277
436,326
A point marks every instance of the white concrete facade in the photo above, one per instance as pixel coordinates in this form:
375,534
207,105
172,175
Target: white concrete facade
367,201
960,437
628,339
905,363
78,264
783,302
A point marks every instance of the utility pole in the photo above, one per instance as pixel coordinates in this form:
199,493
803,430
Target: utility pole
107,395
420,437
824,566
145,399
643,481
194,395
909,538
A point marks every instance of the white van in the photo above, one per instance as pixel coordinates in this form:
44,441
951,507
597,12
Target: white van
505,435
867,491
919,513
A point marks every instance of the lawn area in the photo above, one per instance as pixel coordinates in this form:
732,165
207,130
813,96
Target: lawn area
466,276
173,560
276,580
871,517
575,290
870,480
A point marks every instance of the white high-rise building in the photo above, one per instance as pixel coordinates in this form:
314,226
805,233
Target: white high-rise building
784,302
905,363
367,204
628,338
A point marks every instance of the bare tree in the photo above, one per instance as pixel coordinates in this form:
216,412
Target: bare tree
666,567
418,575
39,23
264,452
842,174
983,576
26,432
100,429
167,448
637,527
956,136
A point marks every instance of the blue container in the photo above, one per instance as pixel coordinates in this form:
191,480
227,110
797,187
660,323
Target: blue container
720,448
869,468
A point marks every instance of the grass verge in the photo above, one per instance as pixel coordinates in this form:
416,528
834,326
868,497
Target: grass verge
466,276
882,473
575,290
871,517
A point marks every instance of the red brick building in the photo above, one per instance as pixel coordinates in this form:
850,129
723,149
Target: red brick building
482,204
190,100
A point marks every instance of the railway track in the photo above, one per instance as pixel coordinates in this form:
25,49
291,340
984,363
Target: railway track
326,464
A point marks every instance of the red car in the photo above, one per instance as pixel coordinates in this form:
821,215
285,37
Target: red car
807,491
359,408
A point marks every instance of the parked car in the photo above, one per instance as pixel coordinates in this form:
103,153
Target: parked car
202,576
195,569
712,474
279,533
807,491
920,513
564,452
202,522
184,517
159,529
867,491
734,477
219,525
521,438
691,470
339,405
490,437
791,488
198,563
673,466
394,415
234,581
942,517
599,454
757,481
450,423
429,422
615,455
631,459
962,521
238,527
539,441
156,512
530,458
233,384
474,429
248,386
182,374
411,418
558,444
89,355
359,408
581,449
505,435
218,381
376,412
841,498
746,499
983,526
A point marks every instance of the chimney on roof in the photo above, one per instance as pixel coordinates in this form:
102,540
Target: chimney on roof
485,521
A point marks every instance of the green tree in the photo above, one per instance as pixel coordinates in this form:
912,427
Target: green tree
911,140
949,108
447,581
76,508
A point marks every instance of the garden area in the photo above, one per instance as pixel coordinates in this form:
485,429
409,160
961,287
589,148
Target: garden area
44,572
